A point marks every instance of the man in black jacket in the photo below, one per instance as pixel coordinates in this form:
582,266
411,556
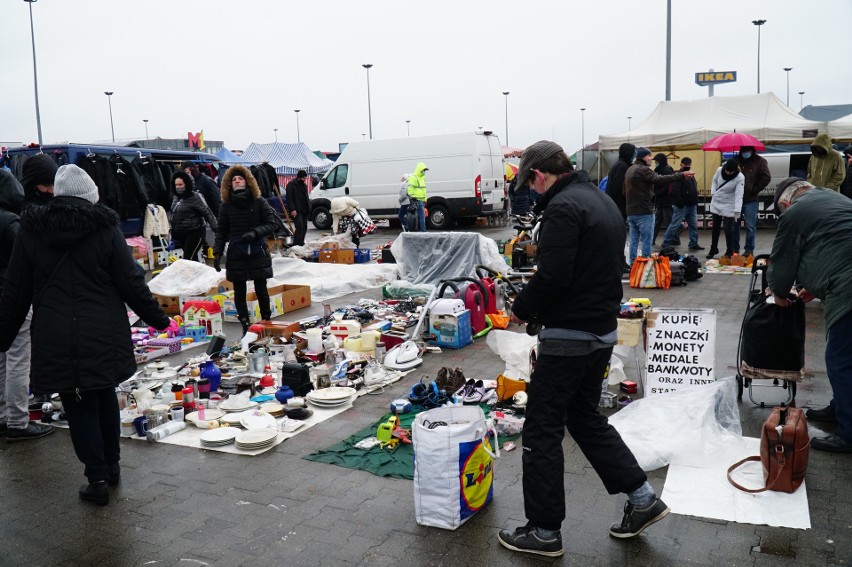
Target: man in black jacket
662,198
299,205
575,295
615,183
206,187
685,207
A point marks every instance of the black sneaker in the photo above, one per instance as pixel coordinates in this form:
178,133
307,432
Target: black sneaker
712,253
33,430
95,492
114,474
696,247
824,414
637,519
527,540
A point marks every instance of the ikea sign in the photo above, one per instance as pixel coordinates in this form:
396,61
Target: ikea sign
715,78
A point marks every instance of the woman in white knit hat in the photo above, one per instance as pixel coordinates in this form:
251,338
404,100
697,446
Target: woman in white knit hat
72,264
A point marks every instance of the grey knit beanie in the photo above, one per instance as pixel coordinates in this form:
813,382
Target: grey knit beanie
71,181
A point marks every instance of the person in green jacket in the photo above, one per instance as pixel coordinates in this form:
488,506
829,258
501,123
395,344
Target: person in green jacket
813,245
417,193
825,168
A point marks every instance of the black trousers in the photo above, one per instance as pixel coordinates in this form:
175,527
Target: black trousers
300,225
240,289
564,393
662,219
95,427
192,243
728,225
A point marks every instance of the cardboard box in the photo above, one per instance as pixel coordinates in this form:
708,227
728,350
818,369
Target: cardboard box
280,329
173,305
294,297
451,330
169,303
253,305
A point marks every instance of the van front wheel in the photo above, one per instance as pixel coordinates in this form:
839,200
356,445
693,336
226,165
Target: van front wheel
439,218
321,218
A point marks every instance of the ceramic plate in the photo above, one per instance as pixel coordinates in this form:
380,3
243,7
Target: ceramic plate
334,404
209,415
232,419
330,394
237,404
223,435
256,436
271,408
256,419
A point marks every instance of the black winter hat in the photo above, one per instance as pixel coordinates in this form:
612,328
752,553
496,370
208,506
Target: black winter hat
38,170
642,152
661,159
301,174
187,180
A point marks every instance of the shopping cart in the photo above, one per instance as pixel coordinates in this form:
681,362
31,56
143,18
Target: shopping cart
772,340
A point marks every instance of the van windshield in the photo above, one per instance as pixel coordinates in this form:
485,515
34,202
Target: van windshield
336,177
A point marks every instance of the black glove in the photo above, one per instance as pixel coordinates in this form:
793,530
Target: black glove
249,236
216,264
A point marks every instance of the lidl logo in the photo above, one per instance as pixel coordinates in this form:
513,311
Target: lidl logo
476,478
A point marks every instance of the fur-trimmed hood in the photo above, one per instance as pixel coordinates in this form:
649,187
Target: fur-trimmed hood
251,182
64,221
188,181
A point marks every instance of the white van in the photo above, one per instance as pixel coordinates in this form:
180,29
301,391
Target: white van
465,177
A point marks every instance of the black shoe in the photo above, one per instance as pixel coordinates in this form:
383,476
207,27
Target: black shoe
712,253
95,492
637,519
245,323
114,474
526,540
832,444
696,247
824,414
33,430
3,427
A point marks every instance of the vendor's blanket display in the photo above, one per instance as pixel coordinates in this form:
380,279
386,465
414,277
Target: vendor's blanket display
429,257
328,281
453,465
185,277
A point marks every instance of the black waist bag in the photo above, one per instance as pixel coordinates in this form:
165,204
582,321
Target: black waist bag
297,377
774,337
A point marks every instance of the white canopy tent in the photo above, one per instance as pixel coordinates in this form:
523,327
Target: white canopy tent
694,122
841,129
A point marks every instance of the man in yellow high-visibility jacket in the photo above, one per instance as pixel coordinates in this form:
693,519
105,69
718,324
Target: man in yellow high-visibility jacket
417,193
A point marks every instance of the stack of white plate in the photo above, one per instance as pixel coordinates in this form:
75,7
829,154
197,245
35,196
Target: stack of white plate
272,408
219,437
236,404
330,397
256,419
232,419
256,438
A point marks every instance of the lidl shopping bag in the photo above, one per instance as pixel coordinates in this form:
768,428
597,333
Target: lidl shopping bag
453,465
651,272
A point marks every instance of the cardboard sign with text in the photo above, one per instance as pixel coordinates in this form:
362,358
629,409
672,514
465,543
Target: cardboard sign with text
681,349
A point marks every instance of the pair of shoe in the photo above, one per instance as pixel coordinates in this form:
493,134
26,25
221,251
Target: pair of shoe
95,492
696,248
832,444
825,414
450,380
475,392
33,430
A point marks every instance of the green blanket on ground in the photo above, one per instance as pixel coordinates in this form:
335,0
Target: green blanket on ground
398,463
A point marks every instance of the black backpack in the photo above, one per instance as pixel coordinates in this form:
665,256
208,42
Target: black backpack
692,268
671,253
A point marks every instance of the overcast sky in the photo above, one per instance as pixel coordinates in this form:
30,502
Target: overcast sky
238,69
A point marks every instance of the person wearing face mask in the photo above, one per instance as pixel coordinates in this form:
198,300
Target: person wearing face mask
726,205
825,168
685,207
662,198
37,177
189,212
245,220
755,170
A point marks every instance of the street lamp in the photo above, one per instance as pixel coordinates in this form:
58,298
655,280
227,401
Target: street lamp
109,100
582,137
629,118
298,134
506,94
35,72
276,134
788,69
758,23
145,120
367,66
408,127
363,136
801,100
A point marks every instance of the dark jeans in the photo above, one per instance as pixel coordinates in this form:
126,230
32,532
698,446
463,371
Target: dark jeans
662,220
403,211
564,393
192,243
838,365
300,224
262,299
94,424
732,244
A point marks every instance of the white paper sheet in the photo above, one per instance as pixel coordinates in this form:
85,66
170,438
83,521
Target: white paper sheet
697,485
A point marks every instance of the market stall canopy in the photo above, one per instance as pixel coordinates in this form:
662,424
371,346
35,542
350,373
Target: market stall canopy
228,157
287,159
841,129
688,122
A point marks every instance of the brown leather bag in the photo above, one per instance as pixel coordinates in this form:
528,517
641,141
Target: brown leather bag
784,448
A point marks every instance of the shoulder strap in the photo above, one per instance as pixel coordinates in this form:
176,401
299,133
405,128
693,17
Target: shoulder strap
769,483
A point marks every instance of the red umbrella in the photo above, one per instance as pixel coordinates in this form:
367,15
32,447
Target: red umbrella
732,142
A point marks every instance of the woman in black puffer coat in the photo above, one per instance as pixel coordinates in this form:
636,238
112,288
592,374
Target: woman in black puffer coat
189,211
245,220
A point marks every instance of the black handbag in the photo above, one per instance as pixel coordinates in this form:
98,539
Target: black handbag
297,377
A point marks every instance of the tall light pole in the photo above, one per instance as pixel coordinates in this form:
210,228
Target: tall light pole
276,134
801,100
582,137
506,94
758,23
787,70
109,100
298,134
629,118
35,72
145,120
669,50
408,127
368,66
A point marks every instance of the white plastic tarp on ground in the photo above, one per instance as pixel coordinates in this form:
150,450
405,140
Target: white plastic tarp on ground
688,122
185,277
331,280
428,257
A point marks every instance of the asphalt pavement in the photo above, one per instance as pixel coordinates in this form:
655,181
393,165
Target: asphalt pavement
182,506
